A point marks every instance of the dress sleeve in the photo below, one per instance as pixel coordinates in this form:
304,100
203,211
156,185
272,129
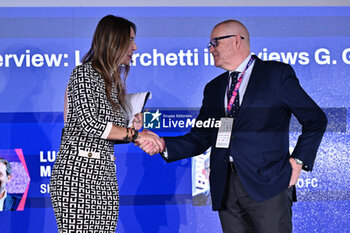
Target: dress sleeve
83,94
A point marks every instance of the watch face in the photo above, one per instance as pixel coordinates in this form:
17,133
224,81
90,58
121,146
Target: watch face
298,161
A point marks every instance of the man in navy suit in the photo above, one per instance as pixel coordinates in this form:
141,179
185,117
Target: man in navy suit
7,201
252,172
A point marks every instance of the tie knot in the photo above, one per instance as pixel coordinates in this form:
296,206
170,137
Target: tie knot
234,76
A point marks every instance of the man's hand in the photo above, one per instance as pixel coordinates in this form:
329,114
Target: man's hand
150,142
296,170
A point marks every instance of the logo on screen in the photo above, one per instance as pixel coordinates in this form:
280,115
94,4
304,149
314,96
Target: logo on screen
151,120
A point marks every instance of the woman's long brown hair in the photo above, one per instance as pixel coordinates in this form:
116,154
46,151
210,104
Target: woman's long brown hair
109,46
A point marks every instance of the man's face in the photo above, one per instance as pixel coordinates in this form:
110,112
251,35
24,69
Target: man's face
4,178
224,53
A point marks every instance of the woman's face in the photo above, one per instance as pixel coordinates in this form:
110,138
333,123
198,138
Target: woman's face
132,48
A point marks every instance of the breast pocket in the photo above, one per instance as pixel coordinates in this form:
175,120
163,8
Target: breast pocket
89,154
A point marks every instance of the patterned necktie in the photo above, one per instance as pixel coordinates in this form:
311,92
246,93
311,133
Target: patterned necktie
235,106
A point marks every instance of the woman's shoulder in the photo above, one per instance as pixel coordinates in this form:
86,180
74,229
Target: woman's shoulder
84,73
85,69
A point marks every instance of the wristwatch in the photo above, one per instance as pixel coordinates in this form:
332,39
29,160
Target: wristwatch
298,161
135,136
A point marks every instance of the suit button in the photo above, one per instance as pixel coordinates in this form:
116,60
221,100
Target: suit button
89,154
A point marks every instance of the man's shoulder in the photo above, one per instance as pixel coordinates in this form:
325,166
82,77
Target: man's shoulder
12,201
271,64
13,196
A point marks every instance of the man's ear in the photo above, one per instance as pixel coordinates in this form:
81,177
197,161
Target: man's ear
9,177
238,41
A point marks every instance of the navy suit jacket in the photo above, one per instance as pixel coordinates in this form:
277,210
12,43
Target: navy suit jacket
260,136
11,202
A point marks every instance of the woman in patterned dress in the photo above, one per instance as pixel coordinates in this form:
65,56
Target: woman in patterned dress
83,186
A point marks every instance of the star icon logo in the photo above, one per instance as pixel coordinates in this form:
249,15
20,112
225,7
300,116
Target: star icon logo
152,119
156,115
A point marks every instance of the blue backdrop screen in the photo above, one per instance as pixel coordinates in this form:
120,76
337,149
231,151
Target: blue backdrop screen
39,47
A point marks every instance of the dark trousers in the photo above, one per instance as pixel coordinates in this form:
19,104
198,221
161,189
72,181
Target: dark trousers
242,214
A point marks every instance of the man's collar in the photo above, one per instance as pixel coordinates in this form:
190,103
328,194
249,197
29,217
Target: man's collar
243,65
4,197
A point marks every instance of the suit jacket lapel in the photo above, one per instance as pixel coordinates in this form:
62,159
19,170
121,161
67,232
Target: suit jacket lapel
254,85
8,202
222,88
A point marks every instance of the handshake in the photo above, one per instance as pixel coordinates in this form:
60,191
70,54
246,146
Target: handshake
150,142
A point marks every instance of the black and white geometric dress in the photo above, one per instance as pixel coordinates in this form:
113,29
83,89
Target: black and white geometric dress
83,185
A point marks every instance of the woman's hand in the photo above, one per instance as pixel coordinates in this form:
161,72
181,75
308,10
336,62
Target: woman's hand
137,122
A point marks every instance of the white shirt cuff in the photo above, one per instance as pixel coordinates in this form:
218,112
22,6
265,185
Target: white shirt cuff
165,153
107,130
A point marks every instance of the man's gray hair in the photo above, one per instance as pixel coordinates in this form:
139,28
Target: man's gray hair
8,166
